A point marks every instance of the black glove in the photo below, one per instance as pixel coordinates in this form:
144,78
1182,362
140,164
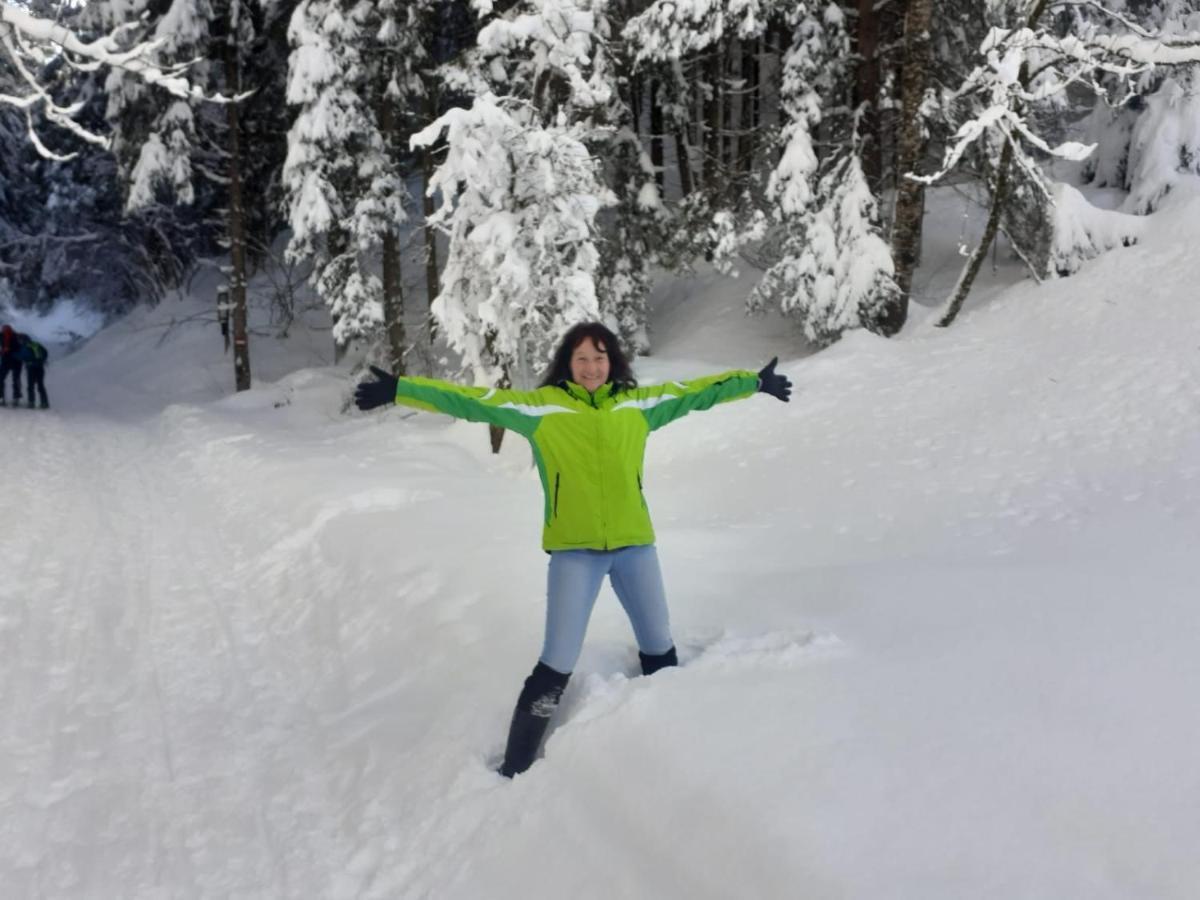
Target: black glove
370,394
769,382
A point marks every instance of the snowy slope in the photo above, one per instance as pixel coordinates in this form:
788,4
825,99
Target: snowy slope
936,616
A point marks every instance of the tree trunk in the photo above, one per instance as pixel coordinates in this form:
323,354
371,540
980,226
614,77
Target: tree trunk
750,106
782,39
495,432
393,301
656,134
729,139
393,290
989,234
712,120
432,279
237,221
635,103
685,166
999,198
910,195
868,92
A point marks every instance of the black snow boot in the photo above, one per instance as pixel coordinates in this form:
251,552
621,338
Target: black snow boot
651,664
539,698
30,403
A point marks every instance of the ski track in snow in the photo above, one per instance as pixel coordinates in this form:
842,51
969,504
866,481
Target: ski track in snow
149,705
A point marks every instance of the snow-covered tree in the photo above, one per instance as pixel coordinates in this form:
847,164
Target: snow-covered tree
1147,129
1030,62
522,186
566,58
836,271
353,73
689,58
519,202
28,42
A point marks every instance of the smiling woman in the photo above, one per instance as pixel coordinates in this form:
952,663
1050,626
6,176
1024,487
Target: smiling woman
587,423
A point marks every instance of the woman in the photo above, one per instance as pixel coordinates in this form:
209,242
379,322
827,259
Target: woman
587,424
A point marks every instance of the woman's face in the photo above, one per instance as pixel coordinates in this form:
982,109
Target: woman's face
589,365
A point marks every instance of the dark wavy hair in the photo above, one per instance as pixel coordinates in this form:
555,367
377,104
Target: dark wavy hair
620,373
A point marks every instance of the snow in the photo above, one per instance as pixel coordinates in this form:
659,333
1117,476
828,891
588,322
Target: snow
1083,231
936,619
68,322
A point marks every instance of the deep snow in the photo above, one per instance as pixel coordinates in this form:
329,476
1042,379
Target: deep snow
937,620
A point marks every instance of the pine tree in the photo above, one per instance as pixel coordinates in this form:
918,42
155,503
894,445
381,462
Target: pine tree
353,73
521,189
192,153
520,203
834,271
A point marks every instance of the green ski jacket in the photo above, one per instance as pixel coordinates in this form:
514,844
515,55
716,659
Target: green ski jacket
588,447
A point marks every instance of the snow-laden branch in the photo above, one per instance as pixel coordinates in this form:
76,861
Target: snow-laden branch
1006,82
29,42
668,30
1095,47
1168,40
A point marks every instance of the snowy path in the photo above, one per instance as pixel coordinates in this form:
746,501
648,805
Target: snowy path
145,703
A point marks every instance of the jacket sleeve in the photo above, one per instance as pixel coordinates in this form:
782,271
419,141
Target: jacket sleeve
664,403
517,411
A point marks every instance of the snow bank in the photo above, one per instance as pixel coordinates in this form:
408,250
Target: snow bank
1083,231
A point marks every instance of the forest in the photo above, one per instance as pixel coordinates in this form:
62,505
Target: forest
478,176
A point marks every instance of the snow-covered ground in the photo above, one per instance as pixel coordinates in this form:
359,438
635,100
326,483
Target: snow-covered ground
937,619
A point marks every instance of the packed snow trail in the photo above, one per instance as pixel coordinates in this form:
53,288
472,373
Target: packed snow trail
936,616
145,705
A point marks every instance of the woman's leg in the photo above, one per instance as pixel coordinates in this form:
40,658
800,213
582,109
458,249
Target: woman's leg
572,585
637,580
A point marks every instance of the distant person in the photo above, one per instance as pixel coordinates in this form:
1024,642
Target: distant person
34,356
588,424
10,361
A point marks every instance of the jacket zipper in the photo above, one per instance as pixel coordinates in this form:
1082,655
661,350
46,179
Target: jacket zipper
557,478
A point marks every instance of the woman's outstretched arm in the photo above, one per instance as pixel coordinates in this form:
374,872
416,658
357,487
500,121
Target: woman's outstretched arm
519,411
662,404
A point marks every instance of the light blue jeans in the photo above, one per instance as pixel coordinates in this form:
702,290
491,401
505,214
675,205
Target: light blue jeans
574,583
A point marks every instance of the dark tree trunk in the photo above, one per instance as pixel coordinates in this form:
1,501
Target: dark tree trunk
729,139
999,199
656,133
750,106
635,102
999,196
237,222
393,301
685,165
432,279
393,292
712,121
495,432
868,92
910,195
779,34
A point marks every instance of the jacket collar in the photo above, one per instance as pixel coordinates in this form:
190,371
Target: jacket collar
580,393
